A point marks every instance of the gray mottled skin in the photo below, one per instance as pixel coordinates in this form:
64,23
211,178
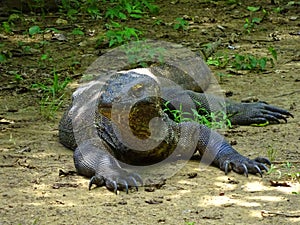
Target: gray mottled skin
99,151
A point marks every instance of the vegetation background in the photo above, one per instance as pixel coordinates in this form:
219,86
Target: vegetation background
251,46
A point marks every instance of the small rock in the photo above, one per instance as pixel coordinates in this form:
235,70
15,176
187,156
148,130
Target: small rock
293,18
233,142
59,37
192,175
186,17
154,201
221,27
60,21
122,202
250,99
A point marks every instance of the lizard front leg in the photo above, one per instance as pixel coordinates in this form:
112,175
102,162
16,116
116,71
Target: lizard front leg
95,162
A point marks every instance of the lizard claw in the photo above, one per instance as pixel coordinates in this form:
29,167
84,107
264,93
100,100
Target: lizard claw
121,180
136,178
245,170
243,165
258,170
123,184
227,167
263,160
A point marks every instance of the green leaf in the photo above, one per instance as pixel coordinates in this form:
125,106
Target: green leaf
34,30
44,57
253,8
273,52
2,58
213,62
256,20
13,17
128,7
72,12
122,16
77,31
6,27
262,63
176,26
253,62
136,16
53,29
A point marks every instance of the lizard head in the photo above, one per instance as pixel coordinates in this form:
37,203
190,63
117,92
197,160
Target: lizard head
131,97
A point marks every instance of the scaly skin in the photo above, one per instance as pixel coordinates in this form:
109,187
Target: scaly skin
129,106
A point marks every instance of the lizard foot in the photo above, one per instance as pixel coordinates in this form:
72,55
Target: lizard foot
121,180
243,165
259,113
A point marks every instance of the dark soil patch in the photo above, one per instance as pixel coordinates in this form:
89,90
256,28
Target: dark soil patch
32,192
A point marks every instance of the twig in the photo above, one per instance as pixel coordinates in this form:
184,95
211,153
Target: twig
283,162
291,93
6,165
265,213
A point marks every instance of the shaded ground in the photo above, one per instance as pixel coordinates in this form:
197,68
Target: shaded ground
32,192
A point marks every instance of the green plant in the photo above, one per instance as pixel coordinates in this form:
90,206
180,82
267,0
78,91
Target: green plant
223,75
14,17
215,120
116,12
290,174
190,223
231,2
286,170
124,11
2,58
118,34
271,153
44,60
92,9
71,8
219,60
4,53
274,55
140,54
250,62
158,22
278,9
130,9
77,31
18,77
251,22
34,30
53,94
6,27
180,24
253,8
149,6
26,49
273,169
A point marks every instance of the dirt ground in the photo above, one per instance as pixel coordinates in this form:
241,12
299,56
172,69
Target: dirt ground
32,191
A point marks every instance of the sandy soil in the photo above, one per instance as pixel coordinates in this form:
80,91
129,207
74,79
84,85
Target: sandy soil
33,192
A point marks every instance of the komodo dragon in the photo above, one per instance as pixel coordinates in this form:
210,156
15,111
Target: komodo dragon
120,121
